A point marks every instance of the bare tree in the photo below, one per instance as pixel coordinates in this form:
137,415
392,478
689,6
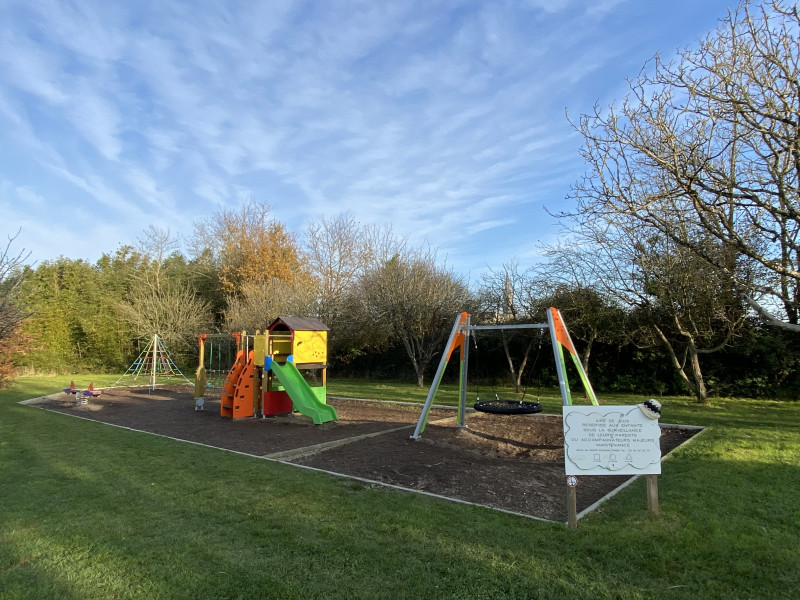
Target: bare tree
713,139
686,306
12,311
592,316
261,302
417,300
507,296
337,251
173,311
160,301
156,244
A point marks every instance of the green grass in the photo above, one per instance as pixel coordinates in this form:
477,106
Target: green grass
92,511
389,390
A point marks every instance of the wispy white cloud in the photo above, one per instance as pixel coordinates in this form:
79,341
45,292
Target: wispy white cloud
445,120
30,198
30,69
96,119
90,31
549,6
603,7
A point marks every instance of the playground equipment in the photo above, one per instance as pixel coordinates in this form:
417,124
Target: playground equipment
269,378
153,362
511,407
82,396
214,365
90,392
459,339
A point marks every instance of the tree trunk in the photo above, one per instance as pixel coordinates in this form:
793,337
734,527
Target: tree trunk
587,353
696,383
699,389
418,367
516,374
522,367
511,368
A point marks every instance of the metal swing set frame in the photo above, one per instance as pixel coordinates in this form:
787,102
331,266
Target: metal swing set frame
459,340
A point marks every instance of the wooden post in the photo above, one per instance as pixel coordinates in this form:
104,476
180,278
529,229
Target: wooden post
257,397
572,508
652,495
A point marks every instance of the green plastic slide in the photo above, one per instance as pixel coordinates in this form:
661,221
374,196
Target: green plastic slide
303,397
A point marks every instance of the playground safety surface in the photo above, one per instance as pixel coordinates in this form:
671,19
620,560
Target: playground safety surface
510,462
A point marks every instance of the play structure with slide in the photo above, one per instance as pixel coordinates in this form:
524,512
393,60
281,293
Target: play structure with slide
268,379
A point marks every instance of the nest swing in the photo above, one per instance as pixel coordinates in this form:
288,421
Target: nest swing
498,406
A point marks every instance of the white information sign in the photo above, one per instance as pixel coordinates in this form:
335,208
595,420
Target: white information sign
610,440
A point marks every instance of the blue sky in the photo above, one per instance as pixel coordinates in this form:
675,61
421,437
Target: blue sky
444,119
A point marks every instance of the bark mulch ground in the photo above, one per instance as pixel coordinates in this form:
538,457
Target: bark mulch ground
510,462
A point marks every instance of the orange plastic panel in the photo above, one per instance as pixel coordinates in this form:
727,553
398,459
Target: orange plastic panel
561,331
243,395
229,386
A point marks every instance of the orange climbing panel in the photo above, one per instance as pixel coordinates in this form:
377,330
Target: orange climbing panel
229,386
243,394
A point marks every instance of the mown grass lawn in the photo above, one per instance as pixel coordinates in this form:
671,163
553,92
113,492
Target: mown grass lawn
92,511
